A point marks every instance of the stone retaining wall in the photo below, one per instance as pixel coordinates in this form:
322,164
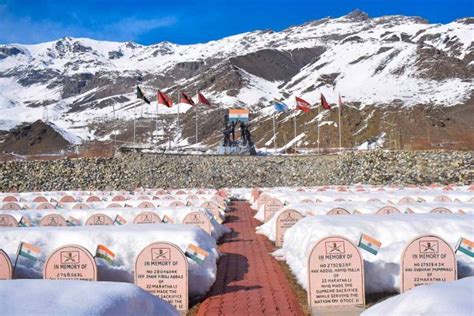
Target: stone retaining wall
170,171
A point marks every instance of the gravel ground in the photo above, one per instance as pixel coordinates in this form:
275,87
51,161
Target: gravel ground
167,171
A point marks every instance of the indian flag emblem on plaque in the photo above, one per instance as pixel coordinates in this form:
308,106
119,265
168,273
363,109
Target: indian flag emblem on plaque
465,246
369,244
105,253
29,251
119,220
197,254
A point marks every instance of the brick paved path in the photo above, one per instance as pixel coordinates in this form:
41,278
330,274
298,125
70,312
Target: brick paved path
249,280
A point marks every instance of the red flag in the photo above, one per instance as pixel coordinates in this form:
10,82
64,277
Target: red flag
202,99
186,99
302,105
325,103
164,99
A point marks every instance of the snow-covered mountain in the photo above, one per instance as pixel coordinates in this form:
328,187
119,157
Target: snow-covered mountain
390,60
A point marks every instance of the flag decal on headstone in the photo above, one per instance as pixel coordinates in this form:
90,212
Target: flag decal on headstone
105,253
369,244
29,251
119,220
197,254
465,246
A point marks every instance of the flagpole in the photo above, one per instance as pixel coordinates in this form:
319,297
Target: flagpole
339,110
294,127
115,122
274,137
156,123
179,126
16,260
196,114
317,122
134,128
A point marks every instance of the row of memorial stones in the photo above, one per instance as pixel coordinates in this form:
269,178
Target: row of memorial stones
9,204
100,196
336,269
161,269
198,219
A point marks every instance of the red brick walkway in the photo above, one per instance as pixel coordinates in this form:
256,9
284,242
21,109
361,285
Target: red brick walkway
249,280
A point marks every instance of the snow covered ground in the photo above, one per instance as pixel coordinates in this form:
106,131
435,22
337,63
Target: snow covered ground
448,298
366,200
177,214
78,298
125,241
393,231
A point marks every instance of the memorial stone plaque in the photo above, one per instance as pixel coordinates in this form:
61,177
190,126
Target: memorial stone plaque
307,201
67,199
40,199
45,206
442,198
180,192
7,220
71,262
92,199
336,274
177,204
407,200
198,219
118,198
11,206
52,220
146,204
10,198
387,210
5,266
114,205
99,219
81,206
427,259
285,220
338,211
441,210
147,218
214,209
162,270
143,198
339,200
262,199
168,197
271,207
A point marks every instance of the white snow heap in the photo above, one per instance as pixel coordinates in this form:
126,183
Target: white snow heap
79,298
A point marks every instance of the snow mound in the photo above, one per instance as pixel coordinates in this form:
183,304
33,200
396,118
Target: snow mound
382,272
53,297
125,241
446,298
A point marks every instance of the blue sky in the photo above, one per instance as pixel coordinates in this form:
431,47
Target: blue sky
189,21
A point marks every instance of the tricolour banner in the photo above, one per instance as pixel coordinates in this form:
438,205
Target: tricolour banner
241,115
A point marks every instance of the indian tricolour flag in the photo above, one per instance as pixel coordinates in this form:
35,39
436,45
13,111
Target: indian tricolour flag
369,244
71,221
465,246
119,220
29,251
167,220
105,253
241,115
23,222
197,254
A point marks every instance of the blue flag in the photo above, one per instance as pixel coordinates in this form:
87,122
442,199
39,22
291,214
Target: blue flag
280,107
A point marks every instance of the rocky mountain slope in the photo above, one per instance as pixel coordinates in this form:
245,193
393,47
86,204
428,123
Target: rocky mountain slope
397,62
